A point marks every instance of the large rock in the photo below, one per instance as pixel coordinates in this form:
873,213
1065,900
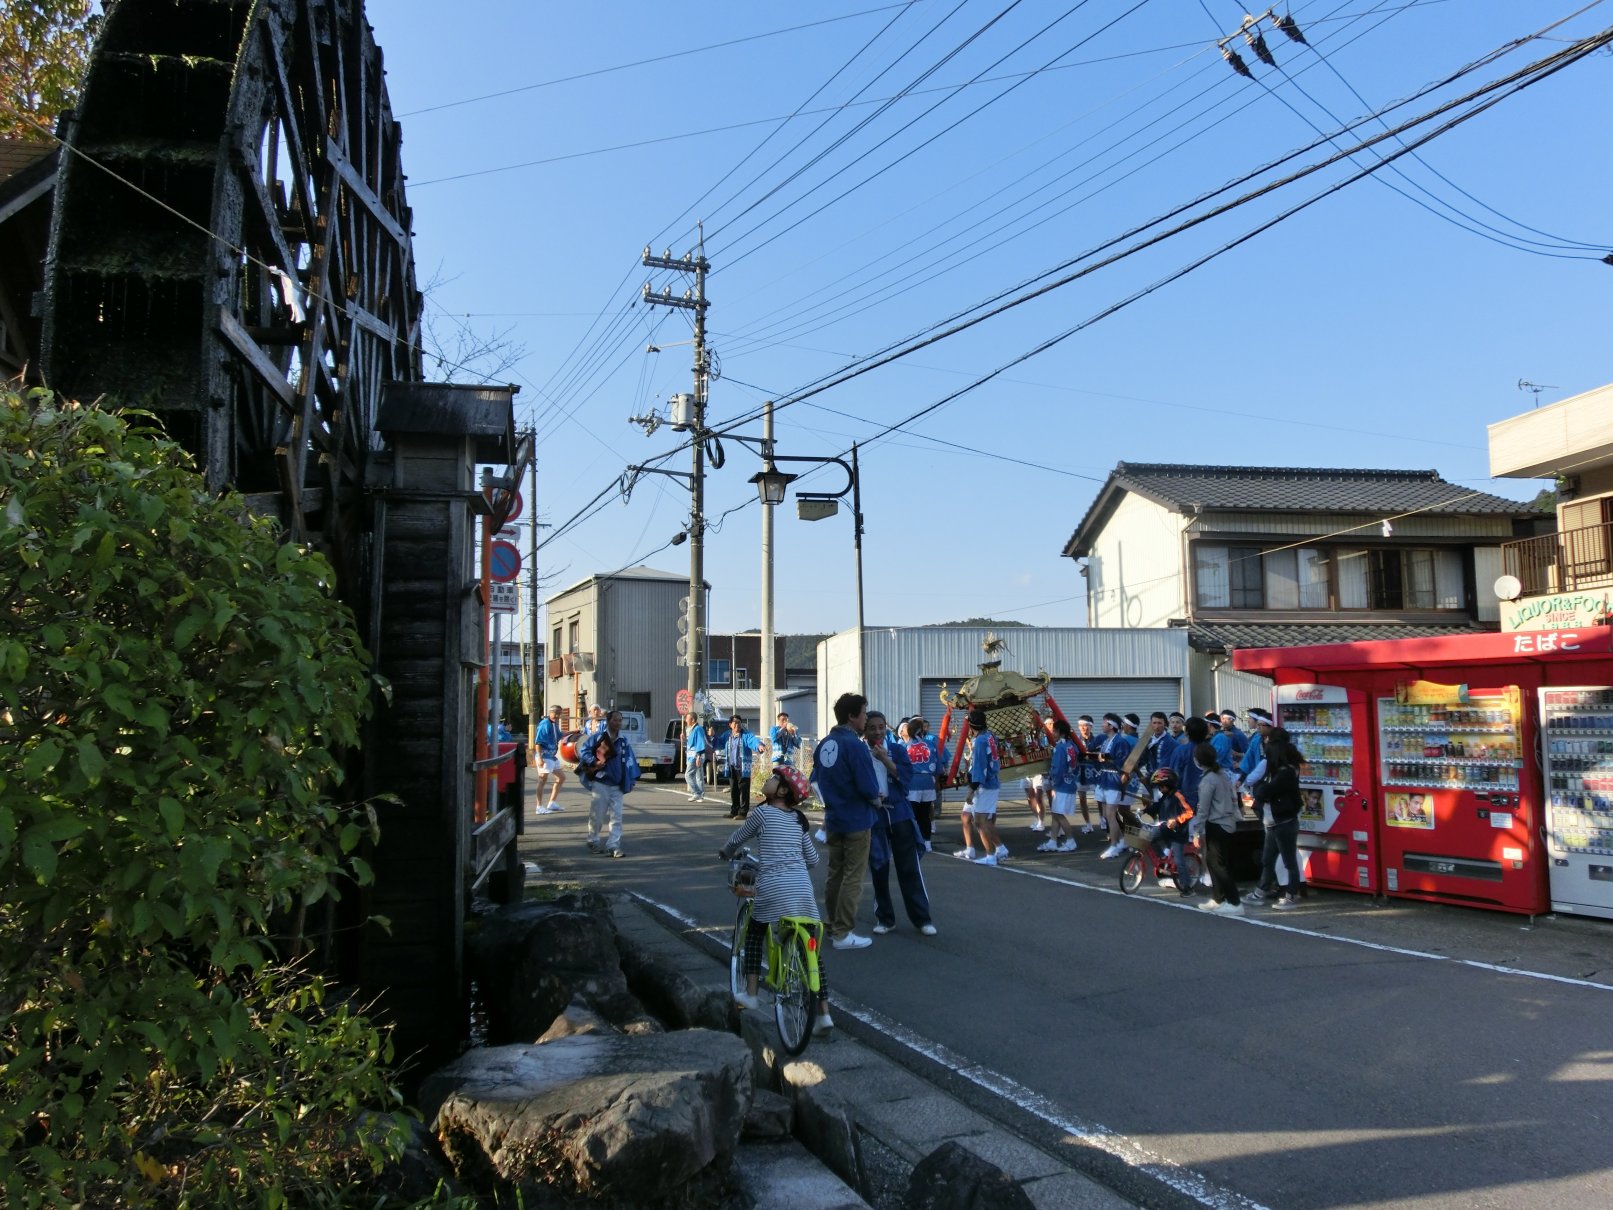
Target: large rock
606,1115
531,960
577,1018
669,993
954,1178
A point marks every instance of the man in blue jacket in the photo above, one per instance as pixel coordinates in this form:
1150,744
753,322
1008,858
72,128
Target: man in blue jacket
547,738
607,779
843,771
785,740
895,836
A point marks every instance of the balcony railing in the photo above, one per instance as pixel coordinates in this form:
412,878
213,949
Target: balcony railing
1562,562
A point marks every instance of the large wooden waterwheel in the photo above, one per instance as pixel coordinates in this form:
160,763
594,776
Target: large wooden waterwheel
231,251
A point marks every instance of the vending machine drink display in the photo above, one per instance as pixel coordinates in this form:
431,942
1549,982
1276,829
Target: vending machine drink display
1335,827
1577,750
1455,825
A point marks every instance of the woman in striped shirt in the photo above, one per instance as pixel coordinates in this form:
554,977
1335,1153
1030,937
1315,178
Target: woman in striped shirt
778,834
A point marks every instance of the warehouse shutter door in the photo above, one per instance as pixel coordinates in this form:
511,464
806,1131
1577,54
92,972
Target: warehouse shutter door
1123,695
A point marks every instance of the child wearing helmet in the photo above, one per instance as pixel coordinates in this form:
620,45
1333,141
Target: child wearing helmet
1173,812
779,835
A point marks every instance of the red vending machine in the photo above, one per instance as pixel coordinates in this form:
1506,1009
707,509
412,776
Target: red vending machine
1460,823
1331,725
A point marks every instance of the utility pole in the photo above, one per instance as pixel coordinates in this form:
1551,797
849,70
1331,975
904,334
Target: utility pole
693,300
769,706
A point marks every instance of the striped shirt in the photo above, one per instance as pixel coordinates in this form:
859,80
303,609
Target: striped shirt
783,887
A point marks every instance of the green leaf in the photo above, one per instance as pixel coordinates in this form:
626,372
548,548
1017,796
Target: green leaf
173,816
57,827
40,857
90,760
42,759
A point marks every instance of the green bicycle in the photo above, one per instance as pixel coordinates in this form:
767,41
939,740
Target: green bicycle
790,965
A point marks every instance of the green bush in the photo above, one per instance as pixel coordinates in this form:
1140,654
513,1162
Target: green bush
177,687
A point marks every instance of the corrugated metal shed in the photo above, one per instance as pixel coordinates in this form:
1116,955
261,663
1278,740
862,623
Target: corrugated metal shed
899,660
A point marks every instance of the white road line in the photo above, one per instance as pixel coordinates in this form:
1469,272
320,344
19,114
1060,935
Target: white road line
1256,922
1185,1181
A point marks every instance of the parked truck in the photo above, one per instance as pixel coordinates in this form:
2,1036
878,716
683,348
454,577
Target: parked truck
653,756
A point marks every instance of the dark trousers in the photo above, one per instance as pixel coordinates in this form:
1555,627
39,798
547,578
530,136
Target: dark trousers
738,794
1218,857
1281,838
924,813
902,838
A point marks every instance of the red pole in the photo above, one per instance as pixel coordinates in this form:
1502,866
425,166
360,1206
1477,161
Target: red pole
482,692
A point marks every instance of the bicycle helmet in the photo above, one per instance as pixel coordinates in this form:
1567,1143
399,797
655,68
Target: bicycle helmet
1165,781
790,782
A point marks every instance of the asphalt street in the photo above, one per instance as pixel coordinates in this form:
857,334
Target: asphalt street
1346,1054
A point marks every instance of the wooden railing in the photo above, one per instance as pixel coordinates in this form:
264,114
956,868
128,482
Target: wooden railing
1562,562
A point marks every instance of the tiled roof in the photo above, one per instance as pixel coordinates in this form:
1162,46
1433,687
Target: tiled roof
17,154
1229,636
1287,489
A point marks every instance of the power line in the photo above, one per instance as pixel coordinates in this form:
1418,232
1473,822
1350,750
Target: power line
677,54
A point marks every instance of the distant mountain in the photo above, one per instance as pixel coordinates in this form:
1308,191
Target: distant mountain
977,622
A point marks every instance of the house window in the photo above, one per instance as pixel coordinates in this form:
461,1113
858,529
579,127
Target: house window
556,647
719,672
1228,577
1400,579
576,634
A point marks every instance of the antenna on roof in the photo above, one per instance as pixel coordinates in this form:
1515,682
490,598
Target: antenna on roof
1525,385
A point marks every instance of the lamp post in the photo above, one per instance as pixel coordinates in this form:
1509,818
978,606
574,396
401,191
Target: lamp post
771,485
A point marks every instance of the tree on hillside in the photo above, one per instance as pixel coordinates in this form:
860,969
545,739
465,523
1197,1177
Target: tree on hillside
44,50
979,622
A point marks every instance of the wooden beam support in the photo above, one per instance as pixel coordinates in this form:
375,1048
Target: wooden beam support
255,359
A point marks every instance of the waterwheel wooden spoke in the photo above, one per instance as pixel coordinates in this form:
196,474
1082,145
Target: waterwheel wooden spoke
231,249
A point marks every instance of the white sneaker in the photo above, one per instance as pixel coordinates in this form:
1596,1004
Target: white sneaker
1048,846
928,848
1229,909
544,811
1113,850
988,859
1038,826
1165,880
1211,905
966,854
745,1000
554,806
927,929
852,941
1067,845
1204,880
1002,850
881,929
1087,829
822,1023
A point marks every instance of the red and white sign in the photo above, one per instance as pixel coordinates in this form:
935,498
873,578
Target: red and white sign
500,498
685,701
502,598
503,562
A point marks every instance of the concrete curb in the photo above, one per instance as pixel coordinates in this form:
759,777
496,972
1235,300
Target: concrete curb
866,1118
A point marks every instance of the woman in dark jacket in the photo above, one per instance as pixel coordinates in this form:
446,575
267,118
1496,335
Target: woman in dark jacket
1278,793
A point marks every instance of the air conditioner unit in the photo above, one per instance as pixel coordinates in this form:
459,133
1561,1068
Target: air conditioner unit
581,661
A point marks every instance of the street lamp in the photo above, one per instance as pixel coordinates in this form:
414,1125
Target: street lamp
771,486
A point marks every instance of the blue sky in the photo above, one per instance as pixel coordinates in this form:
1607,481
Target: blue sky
1363,331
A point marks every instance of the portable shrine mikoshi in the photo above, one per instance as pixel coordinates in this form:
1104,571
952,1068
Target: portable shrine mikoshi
1008,698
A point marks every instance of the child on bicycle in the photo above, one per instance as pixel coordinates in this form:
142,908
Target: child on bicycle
779,836
1174,814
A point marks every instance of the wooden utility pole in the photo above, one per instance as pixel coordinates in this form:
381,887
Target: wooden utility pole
692,300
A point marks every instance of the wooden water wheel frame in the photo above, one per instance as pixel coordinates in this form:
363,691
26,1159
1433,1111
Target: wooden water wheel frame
231,250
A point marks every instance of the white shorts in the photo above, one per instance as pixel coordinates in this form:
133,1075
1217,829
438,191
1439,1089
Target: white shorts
1111,798
548,764
1064,803
1031,783
921,796
985,802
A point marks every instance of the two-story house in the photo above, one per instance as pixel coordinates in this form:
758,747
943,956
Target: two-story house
1281,556
1563,578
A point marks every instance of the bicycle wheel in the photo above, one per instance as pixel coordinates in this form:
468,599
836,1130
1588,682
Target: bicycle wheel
792,1000
1187,874
1131,871
736,949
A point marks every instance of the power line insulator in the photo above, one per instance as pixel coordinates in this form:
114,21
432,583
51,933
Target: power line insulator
1235,61
1257,43
1289,26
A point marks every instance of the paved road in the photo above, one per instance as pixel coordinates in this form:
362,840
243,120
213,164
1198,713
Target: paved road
1343,1055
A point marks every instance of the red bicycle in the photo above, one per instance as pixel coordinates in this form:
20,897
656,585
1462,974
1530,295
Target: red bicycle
1140,837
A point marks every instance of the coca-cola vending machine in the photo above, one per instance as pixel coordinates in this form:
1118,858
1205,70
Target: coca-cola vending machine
1337,840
